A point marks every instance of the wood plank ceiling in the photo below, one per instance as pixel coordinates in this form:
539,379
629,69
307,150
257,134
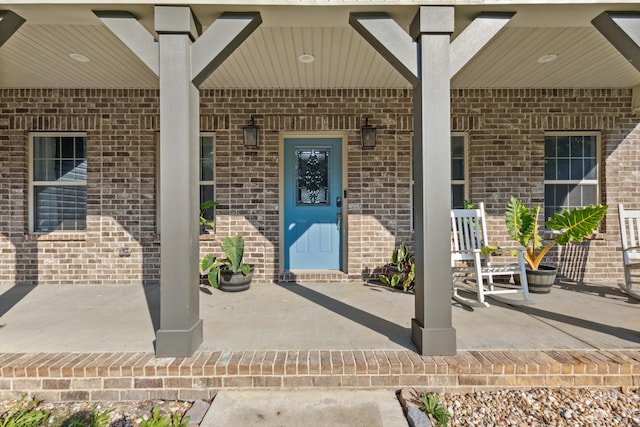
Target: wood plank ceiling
37,56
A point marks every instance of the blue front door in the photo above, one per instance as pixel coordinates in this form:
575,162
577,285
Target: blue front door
312,203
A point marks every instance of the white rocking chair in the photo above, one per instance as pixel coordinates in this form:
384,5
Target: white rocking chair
469,236
630,234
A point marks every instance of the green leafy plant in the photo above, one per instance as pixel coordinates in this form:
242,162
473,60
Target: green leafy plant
573,225
24,414
233,248
204,206
158,420
402,270
432,406
93,418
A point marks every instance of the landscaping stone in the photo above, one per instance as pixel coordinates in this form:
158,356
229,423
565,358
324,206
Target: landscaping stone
575,407
417,418
197,412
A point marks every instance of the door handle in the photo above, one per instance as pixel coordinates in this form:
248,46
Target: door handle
338,220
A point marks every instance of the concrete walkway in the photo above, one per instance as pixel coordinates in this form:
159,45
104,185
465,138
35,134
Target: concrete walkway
320,408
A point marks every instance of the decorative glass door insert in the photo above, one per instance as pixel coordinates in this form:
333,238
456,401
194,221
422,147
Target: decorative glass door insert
312,176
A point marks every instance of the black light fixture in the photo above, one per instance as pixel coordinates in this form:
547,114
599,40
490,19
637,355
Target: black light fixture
251,134
368,134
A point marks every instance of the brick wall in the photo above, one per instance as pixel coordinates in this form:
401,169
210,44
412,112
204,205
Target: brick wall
121,133
506,133
247,181
505,128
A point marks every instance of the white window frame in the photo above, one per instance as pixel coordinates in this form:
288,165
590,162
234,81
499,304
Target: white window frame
211,182
200,183
33,184
464,181
580,182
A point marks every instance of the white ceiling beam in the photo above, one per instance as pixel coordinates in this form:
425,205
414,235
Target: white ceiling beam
9,24
622,30
219,41
473,38
390,40
134,35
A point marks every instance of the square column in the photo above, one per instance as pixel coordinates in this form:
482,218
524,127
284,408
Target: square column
9,24
180,332
431,329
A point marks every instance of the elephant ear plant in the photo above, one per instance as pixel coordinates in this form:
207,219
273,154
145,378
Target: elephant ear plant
572,225
204,206
233,248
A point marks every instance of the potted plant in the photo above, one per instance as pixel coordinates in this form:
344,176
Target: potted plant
228,273
570,225
401,270
205,224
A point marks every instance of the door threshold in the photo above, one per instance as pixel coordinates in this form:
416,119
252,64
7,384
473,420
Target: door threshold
313,276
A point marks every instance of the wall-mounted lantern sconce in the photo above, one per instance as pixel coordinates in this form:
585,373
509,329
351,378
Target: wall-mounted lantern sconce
368,135
251,134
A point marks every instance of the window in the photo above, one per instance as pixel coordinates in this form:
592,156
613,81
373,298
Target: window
459,173
570,170
458,170
57,182
206,176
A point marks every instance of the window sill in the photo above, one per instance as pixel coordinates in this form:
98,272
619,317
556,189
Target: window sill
58,236
203,237
550,235
596,236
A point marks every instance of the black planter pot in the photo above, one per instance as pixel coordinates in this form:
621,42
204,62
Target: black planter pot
540,280
235,282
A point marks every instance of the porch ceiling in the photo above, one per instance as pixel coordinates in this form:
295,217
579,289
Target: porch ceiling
37,56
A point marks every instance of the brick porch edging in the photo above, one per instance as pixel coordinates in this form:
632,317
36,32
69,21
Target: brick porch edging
138,376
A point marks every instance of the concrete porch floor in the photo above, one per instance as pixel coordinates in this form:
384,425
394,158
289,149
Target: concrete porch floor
97,342
63,318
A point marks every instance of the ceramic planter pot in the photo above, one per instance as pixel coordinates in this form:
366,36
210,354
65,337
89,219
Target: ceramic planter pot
235,282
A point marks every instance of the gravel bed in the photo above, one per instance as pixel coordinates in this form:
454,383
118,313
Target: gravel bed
572,407
122,414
